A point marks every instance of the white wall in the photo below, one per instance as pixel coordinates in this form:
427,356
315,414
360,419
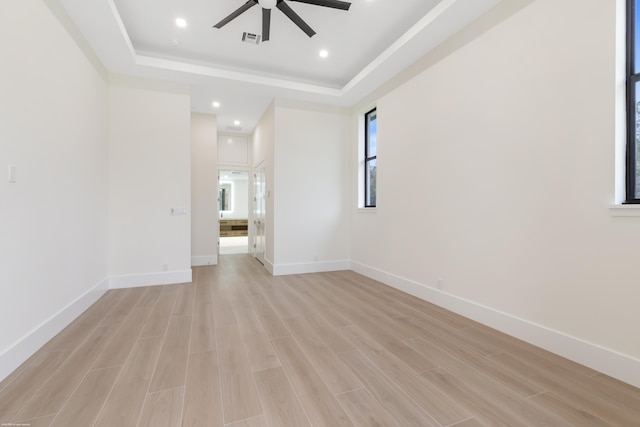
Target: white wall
149,173
241,199
53,220
233,150
311,191
204,189
496,171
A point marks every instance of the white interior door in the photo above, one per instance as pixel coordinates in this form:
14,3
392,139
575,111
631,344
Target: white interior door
259,212
219,213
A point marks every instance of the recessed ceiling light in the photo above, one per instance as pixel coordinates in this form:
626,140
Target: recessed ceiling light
216,104
237,122
174,42
324,53
181,22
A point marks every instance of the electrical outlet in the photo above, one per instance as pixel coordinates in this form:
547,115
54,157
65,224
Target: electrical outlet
439,284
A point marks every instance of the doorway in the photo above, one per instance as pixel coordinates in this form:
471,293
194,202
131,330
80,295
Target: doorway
233,205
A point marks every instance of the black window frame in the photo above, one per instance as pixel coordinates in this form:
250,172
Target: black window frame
633,108
368,158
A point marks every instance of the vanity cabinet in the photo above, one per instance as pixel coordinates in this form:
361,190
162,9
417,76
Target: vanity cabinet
233,227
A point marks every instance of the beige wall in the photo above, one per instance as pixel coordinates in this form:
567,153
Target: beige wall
311,189
53,220
204,189
149,173
496,171
306,152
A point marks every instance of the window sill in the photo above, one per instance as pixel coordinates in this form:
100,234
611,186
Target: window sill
366,210
624,210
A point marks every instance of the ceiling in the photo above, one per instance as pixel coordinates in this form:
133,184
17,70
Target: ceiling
367,46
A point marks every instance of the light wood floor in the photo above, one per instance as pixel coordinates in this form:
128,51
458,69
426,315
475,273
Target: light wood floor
241,348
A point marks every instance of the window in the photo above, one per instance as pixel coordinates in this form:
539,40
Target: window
633,102
370,158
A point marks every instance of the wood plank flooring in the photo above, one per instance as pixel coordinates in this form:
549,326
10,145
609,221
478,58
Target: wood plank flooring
238,347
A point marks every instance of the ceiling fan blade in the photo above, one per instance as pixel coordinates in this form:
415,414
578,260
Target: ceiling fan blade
336,4
242,9
266,24
295,18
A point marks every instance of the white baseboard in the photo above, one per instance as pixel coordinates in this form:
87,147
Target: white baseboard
24,348
150,279
311,267
197,261
614,364
18,353
269,266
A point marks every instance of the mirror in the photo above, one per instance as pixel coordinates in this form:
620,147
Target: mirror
224,197
233,194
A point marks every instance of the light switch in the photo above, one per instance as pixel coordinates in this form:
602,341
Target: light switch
12,174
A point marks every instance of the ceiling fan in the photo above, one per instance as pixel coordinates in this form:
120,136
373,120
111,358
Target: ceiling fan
267,5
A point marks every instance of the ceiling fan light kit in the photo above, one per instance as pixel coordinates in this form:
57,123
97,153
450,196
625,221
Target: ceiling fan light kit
267,5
